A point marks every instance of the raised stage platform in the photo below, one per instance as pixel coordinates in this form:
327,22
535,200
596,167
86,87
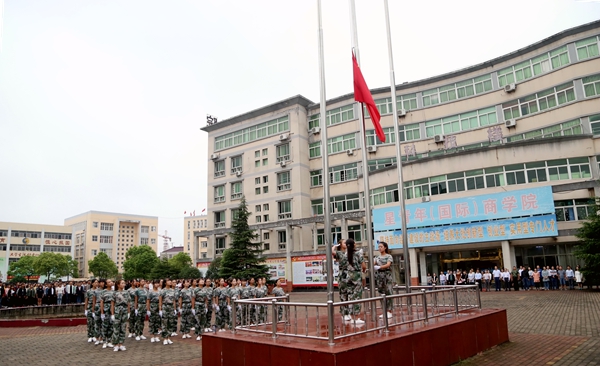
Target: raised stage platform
441,341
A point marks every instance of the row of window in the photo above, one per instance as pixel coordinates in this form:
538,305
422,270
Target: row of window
284,183
200,224
337,174
252,133
282,154
284,211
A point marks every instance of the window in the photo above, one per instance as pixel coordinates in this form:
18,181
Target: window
236,164
356,232
317,207
313,121
591,85
383,195
258,218
106,226
219,168
219,246
381,163
587,48
153,228
316,178
94,252
458,90
235,214
252,133
461,122
94,237
219,194
265,189
339,115
266,236
144,241
265,179
573,210
236,190
106,239
341,143
152,241
265,162
409,132
266,218
257,208
407,102
257,191
266,207
336,233
257,154
343,203
285,210
257,180
219,219
559,57
283,153
95,224
314,149
343,173
145,229
265,152
546,99
372,138
283,181
204,244
282,239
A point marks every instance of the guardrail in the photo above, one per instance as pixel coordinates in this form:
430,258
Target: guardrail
280,317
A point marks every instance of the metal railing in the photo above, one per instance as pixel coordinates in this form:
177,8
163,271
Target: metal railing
279,316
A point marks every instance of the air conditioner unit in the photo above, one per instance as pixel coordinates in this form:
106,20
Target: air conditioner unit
425,199
509,88
282,164
511,123
315,130
238,174
214,156
284,137
350,151
402,113
439,138
372,149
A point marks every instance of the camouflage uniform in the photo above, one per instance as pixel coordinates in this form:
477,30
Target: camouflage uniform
175,305
222,315
98,295
91,325
122,300
154,319
242,312
234,294
142,296
209,310
383,278
131,292
200,307
350,281
253,291
278,292
187,318
261,292
169,318
107,328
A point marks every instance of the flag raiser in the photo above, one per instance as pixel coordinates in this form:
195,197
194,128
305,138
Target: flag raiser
362,94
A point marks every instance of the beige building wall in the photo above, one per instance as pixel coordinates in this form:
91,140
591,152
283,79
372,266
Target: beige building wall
23,239
111,233
195,246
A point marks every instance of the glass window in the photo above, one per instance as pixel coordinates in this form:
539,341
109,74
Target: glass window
284,210
587,48
219,194
283,153
591,85
236,164
283,181
236,191
314,149
316,178
252,133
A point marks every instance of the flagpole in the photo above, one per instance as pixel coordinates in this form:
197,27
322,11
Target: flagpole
365,168
325,162
398,152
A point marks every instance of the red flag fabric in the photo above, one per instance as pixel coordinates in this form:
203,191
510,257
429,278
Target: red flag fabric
363,94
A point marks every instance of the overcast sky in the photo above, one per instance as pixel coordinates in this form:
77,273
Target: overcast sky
101,101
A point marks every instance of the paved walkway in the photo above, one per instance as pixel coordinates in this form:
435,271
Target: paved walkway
546,328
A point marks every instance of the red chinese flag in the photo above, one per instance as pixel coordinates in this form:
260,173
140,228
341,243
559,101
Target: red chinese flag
363,94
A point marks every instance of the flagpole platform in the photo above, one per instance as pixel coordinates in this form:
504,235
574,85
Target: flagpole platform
412,344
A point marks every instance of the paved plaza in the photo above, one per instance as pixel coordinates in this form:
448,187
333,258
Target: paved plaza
546,328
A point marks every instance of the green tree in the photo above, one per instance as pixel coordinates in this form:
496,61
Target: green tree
24,267
102,266
67,266
163,269
139,262
588,248
51,265
190,272
213,269
180,261
244,258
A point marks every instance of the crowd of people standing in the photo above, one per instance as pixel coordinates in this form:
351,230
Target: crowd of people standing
46,294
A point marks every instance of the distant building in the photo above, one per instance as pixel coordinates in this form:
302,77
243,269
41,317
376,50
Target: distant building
170,253
195,246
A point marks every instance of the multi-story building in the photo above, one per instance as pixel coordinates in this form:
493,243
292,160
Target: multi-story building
20,239
523,121
195,246
171,252
111,233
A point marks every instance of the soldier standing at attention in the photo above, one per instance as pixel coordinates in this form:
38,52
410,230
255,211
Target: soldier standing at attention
89,311
166,310
186,310
152,312
132,290
245,293
200,305
105,303
120,310
278,292
141,307
220,302
208,288
252,296
351,264
97,312
261,291
383,275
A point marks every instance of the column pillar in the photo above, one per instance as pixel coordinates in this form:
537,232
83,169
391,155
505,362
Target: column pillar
423,267
288,256
344,228
414,267
213,238
508,255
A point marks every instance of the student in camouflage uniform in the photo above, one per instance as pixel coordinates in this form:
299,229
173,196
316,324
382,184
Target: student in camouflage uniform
132,307
175,286
89,311
242,311
208,289
166,309
105,302
261,292
199,303
351,263
383,275
278,292
120,310
221,302
97,312
253,290
141,307
152,312
186,310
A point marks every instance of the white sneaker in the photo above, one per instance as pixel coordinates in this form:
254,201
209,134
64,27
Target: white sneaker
165,342
389,315
152,340
93,339
184,336
130,335
347,318
97,343
122,348
207,330
104,345
116,349
137,338
193,328
170,341
173,334
142,338
198,338
89,340
359,321
110,344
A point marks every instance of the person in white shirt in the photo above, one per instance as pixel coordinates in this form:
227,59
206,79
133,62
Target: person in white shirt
579,278
506,279
442,279
478,277
496,274
570,277
487,278
60,291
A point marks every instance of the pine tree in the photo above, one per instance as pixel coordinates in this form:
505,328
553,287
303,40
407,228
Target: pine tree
244,259
588,248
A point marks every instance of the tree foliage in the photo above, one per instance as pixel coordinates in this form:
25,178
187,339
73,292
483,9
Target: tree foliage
588,248
139,262
180,261
102,266
162,269
190,272
244,259
53,265
24,267
213,269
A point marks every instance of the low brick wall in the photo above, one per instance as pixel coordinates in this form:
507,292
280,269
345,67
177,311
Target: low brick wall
43,312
